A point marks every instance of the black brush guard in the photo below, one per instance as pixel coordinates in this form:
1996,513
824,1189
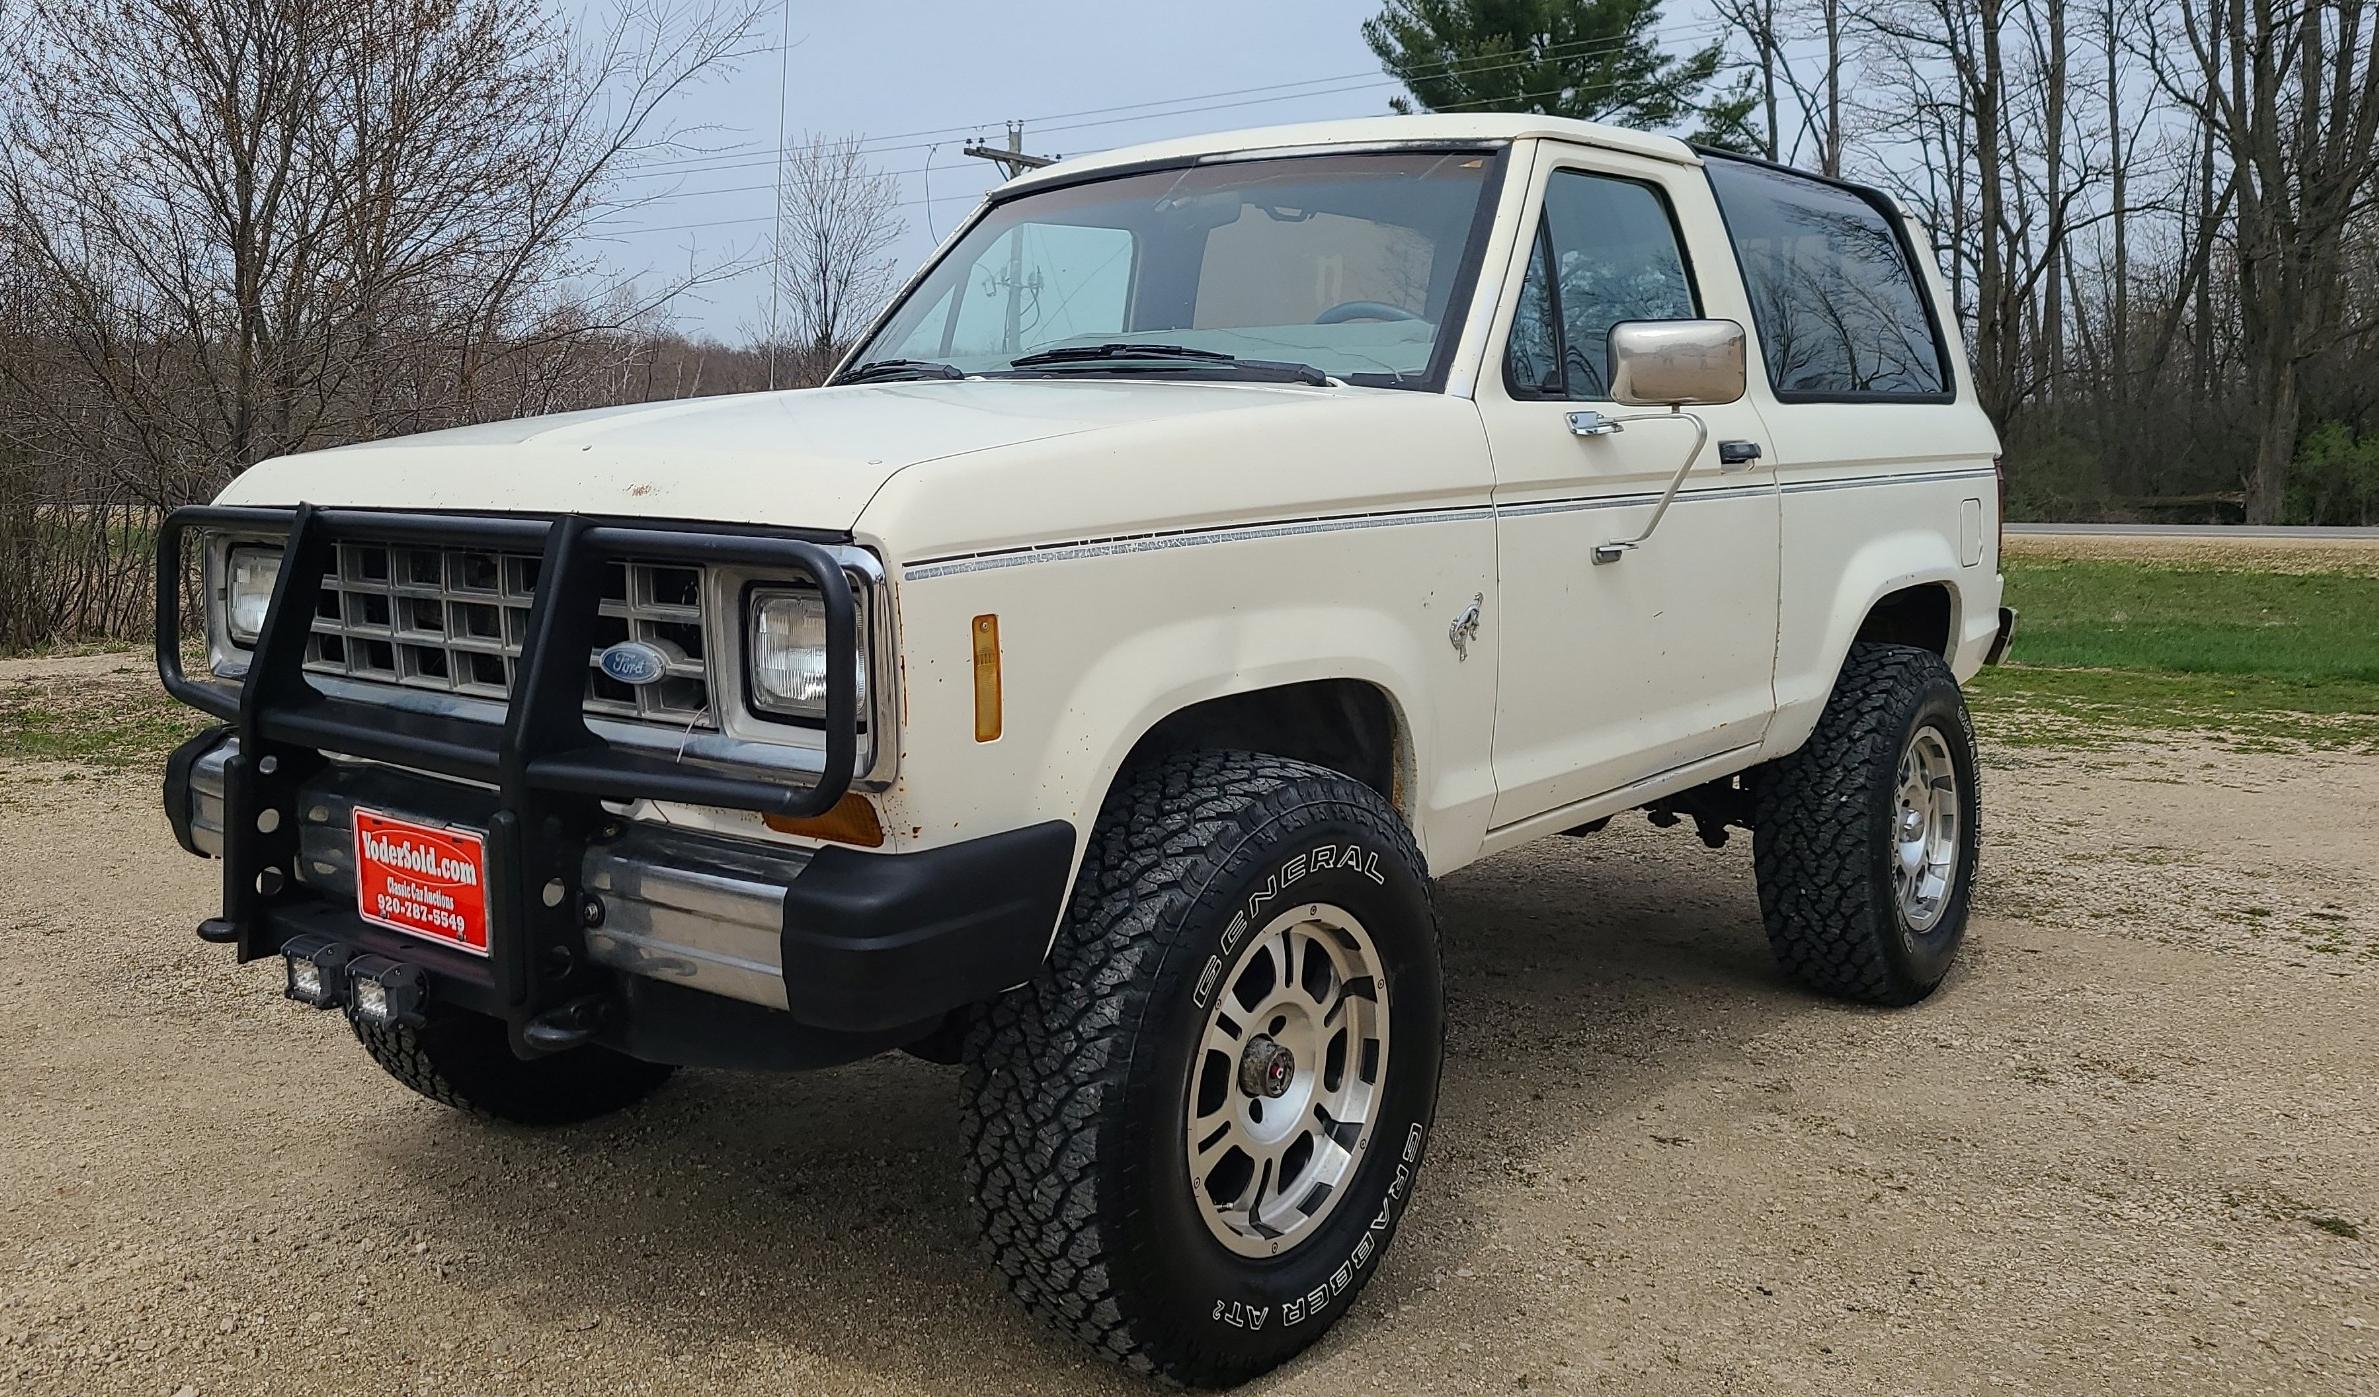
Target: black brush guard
549,771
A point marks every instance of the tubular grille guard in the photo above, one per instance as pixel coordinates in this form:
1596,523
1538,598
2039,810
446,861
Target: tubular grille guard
544,734
549,770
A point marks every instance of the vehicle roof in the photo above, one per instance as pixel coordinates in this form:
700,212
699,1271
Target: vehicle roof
1482,127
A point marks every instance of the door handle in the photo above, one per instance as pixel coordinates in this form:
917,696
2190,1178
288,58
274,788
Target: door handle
1737,456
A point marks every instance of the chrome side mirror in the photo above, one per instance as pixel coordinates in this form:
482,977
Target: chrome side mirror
1676,363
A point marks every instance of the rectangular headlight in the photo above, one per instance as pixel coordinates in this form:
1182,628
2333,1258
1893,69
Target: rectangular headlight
248,576
786,650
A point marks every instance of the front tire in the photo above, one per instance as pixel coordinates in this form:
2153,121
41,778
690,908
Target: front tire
1191,1138
465,1060
1866,839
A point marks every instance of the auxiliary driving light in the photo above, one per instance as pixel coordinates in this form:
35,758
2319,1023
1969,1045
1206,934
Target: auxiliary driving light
317,969
381,991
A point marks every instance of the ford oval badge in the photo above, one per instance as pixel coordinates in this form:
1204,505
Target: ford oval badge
634,662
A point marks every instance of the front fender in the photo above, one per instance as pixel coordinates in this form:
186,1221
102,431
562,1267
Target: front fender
1159,672
1096,651
1274,535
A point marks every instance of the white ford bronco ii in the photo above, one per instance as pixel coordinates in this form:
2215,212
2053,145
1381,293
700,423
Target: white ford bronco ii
1216,543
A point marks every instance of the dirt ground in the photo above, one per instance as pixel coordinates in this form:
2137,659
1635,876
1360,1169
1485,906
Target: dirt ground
2133,1145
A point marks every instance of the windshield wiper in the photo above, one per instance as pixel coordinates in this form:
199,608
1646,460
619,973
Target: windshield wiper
875,370
1120,349
1125,352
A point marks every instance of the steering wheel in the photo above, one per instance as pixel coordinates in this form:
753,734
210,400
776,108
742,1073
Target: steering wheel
1362,310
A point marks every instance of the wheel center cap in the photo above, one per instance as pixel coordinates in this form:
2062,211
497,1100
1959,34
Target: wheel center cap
1266,1068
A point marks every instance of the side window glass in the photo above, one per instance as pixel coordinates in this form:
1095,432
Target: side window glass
1838,307
1607,251
1532,355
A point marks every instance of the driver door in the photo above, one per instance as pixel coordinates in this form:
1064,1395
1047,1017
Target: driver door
1621,672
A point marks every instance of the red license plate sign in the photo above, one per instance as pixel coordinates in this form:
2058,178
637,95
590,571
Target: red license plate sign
421,879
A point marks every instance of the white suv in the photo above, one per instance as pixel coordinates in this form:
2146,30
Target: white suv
1215,544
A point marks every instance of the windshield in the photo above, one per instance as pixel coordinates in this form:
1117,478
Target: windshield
1350,264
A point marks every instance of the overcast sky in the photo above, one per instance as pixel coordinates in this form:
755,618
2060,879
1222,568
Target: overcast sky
886,70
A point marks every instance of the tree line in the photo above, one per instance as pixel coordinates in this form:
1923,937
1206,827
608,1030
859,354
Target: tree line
235,228
2156,216
231,229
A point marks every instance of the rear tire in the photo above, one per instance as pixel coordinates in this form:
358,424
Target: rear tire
1866,838
1101,1100
465,1060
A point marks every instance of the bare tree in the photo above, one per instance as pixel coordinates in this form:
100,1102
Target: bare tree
1812,127
266,223
2288,92
2054,72
836,224
1968,38
235,228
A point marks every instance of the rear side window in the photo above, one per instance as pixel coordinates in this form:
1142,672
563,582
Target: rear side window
1605,251
1839,309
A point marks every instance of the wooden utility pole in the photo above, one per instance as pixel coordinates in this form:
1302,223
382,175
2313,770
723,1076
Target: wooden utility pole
1013,161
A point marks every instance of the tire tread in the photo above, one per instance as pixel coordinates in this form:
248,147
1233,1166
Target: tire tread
1047,1064
465,1061
1813,824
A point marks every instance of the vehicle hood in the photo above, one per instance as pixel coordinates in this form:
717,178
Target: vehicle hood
810,458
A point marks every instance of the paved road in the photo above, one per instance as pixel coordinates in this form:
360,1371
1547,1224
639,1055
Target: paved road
2229,531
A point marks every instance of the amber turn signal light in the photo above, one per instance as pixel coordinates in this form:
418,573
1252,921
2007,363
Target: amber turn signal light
986,632
851,821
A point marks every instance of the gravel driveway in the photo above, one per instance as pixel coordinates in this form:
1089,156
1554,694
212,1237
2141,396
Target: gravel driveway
2133,1146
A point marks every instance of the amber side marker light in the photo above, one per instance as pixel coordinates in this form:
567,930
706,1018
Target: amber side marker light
851,821
986,632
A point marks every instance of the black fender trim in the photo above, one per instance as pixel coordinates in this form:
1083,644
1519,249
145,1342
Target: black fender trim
2006,636
874,941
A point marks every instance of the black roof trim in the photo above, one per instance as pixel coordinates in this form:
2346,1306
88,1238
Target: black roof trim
1873,194
1244,157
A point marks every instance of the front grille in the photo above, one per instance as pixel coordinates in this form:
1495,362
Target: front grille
453,620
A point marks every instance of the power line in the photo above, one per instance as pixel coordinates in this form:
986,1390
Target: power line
1577,49
1143,111
675,195
947,198
763,218
926,169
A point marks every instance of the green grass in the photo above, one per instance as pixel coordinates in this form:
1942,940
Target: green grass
2107,648
108,725
2312,627
2034,707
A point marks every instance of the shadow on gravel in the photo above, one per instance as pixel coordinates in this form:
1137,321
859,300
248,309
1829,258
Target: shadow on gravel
824,1213
1583,977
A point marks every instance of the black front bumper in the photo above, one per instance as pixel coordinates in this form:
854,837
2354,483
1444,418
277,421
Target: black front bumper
870,945
882,941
